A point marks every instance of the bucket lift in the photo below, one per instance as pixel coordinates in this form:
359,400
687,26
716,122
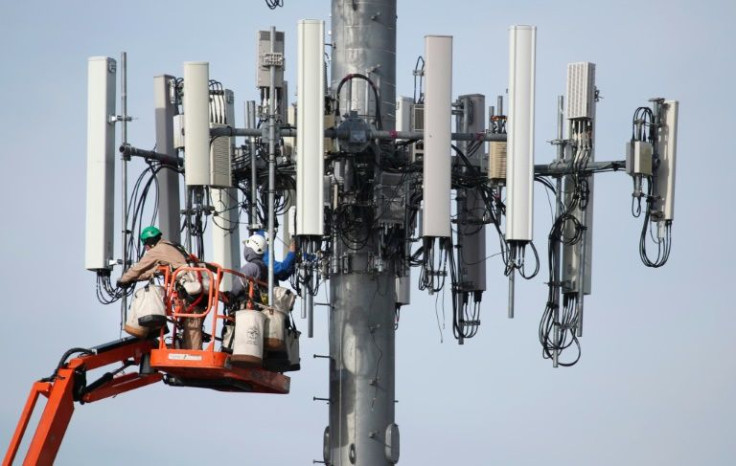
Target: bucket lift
208,368
157,358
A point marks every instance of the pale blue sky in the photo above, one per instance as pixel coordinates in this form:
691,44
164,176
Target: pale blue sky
657,379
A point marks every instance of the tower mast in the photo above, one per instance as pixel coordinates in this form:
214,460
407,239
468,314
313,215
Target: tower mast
362,289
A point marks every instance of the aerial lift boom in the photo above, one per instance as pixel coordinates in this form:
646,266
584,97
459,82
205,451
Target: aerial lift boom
68,384
158,361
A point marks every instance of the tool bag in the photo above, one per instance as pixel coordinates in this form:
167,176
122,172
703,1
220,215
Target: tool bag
283,299
292,348
277,317
194,282
282,336
147,311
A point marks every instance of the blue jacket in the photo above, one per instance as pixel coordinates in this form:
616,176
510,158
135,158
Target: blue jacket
284,269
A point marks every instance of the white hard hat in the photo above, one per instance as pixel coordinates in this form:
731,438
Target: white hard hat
257,243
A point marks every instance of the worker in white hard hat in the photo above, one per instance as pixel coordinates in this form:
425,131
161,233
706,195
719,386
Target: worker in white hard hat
254,267
256,255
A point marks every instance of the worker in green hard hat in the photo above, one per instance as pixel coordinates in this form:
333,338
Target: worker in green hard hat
158,252
162,252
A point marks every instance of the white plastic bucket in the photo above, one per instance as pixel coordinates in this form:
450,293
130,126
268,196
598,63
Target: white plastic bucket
248,341
275,330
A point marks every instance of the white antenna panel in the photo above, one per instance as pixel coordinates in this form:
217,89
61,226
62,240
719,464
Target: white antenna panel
100,163
403,113
520,157
580,90
310,129
437,136
196,123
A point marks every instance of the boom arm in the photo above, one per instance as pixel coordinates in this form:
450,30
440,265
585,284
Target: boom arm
69,384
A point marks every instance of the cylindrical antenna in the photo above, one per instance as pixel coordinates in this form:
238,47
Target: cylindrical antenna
512,279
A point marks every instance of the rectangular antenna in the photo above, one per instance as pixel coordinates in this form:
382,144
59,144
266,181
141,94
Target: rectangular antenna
437,136
576,275
403,289
470,205
266,58
520,157
168,180
100,163
403,113
580,90
226,226
664,175
310,128
222,148
416,124
197,123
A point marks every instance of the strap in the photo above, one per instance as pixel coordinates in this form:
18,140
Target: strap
187,257
194,303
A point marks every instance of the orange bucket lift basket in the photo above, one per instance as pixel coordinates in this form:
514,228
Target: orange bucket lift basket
208,367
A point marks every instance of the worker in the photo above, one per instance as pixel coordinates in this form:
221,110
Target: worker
162,252
256,255
254,267
255,252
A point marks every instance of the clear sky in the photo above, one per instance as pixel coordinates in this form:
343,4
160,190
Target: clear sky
657,379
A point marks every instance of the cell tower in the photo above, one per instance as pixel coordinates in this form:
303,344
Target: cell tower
367,190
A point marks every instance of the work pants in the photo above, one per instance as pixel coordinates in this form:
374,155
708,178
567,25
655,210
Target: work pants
192,333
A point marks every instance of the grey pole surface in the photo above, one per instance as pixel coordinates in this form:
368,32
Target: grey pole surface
362,337
168,180
556,275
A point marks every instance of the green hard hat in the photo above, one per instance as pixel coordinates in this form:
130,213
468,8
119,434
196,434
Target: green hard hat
149,232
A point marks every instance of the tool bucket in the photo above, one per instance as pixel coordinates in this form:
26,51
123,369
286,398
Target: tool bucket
248,341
